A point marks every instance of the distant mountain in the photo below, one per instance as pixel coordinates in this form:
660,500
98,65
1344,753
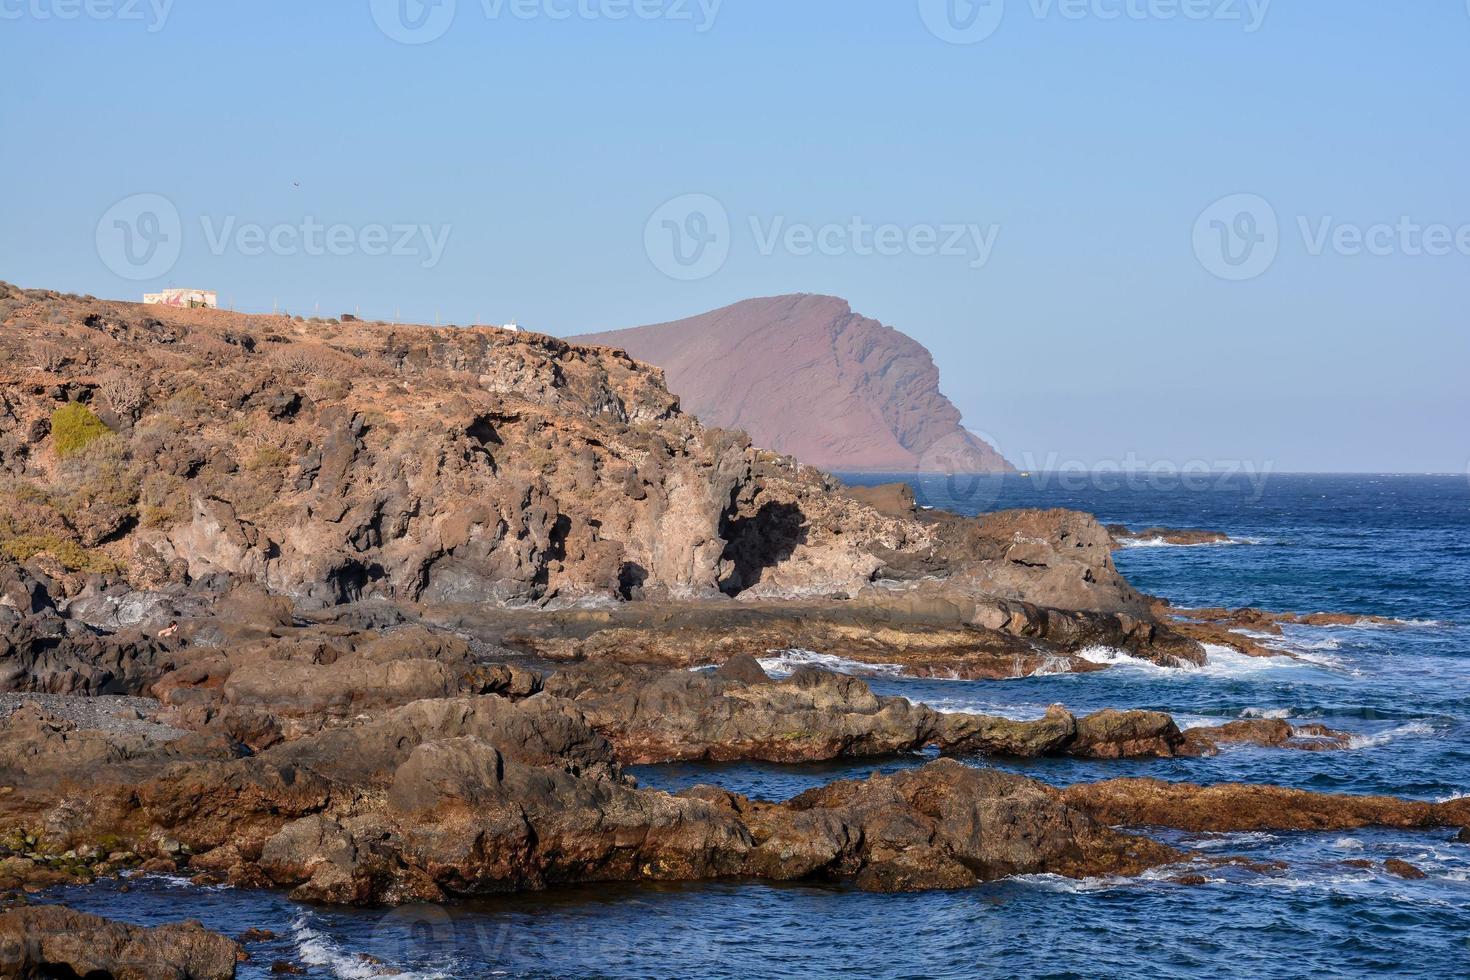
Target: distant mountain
807,376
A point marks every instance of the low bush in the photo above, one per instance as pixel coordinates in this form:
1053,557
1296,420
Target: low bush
74,427
71,554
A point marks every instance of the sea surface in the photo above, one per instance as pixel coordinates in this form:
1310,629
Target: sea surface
1395,546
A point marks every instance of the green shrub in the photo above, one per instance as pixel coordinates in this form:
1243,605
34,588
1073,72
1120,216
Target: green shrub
74,427
69,553
268,458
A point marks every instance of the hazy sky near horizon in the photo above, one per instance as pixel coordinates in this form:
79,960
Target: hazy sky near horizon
1095,304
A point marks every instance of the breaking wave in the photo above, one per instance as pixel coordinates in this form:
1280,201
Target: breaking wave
975,706
1159,542
317,949
1274,714
320,950
1220,661
783,663
1393,734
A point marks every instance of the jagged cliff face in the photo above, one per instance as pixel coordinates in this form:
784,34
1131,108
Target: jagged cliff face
806,376
335,461
146,448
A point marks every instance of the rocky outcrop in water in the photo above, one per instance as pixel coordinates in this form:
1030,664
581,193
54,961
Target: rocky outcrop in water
1250,630
1236,806
464,796
50,941
1183,537
738,713
946,825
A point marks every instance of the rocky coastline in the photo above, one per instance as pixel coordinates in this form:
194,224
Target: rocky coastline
379,614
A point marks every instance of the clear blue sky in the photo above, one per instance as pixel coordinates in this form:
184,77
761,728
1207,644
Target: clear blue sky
1093,144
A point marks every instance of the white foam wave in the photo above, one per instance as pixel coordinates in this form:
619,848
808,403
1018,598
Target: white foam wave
1308,646
317,949
783,663
1072,886
1274,714
967,706
1452,797
1368,624
176,880
1393,734
1113,657
1244,838
1305,651
1052,666
1220,661
1159,542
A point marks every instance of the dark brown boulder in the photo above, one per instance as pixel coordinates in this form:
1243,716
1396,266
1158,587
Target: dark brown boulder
1403,869
965,733
1267,733
946,825
1238,806
1112,734
52,941
743,669
813,715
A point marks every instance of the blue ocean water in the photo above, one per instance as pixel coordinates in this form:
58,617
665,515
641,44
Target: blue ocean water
1396,546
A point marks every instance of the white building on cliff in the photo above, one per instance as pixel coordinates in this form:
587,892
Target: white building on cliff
189,298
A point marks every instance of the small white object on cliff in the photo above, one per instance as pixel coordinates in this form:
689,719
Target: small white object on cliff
190,298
